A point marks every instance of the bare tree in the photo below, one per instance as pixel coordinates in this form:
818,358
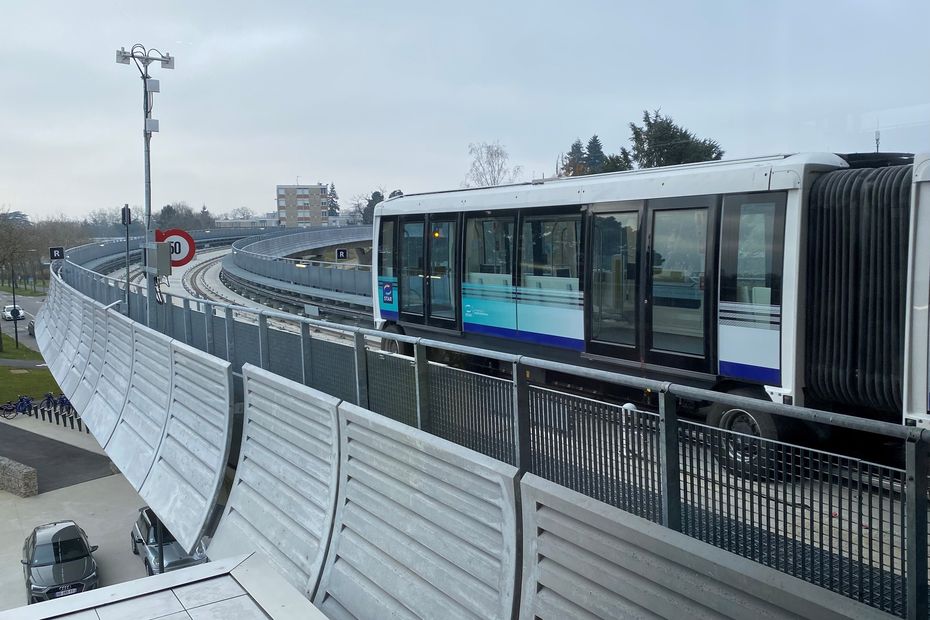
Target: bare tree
489,166
241,213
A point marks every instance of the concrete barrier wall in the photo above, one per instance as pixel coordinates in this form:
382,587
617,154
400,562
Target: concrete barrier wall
42,332
142,421
424,528
284,494
190,460
584,558
102,411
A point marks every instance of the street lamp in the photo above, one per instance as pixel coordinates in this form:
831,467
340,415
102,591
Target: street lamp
143,58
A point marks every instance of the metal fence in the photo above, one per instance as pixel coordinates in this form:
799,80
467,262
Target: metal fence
844,523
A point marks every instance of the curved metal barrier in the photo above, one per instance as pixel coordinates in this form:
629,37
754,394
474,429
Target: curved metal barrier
284,495
264,259
161,409
95,359
75,369
190,461
424,528
584,558
102,411
135,439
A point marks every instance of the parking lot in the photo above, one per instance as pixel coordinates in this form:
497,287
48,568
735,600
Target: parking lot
104,504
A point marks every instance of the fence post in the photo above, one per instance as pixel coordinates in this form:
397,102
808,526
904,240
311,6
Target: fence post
421,366
230,337
669,465
208,326
521,418
188,322
263,350
916,523
168,307
361,370
306,370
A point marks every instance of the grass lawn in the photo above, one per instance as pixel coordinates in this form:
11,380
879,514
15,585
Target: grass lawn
10,352
34,382
24,291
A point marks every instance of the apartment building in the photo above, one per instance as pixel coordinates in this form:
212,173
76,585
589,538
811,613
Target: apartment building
302,205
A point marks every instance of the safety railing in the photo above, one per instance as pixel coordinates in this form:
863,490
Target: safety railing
850,523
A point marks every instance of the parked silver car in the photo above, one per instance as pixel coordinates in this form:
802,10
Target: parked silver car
11,312
145,534
58,561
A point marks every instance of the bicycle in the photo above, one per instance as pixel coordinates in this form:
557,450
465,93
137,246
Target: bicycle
10,409
64,405
48,402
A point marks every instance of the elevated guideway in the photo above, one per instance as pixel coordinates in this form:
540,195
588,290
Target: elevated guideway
432,491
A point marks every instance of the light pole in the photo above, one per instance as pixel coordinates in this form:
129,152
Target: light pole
16,314
143,58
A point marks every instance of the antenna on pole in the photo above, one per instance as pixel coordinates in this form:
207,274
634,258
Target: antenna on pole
878,136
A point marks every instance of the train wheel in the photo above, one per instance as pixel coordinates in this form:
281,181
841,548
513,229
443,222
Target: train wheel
389,345
747,447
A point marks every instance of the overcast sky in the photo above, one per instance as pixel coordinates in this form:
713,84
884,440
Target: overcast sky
390,94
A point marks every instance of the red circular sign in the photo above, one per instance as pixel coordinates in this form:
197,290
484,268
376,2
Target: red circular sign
182,245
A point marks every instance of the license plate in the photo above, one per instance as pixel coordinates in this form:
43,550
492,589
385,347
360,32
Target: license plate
66,592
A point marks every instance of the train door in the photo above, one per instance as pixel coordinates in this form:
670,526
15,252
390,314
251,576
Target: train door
614,312
679,276
489,303
428,276
749,321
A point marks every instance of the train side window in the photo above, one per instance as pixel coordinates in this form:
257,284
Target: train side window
614,275
386,250
751,256
488,250
550,252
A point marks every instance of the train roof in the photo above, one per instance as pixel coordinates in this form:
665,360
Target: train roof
753,174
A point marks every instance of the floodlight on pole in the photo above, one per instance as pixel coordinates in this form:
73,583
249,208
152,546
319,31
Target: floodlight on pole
142,58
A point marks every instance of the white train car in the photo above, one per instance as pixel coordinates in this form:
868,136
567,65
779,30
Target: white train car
800,278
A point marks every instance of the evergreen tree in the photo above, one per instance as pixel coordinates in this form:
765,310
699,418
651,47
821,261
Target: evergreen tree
594,156
333,200
573,164
660,142
617,163
369,212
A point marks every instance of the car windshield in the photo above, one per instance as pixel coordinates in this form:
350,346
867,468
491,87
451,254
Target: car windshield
59,551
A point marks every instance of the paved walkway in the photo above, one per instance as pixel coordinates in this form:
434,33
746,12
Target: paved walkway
57,464
23,363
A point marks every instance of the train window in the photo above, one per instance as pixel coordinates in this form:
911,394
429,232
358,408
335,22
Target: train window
614,276
488,251
386,250
549,256
751,256
679,248
411,269
442,270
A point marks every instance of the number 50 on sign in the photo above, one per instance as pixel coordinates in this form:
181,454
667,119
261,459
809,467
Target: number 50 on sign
181,243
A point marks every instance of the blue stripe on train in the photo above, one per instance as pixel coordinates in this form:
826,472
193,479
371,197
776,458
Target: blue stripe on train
388,314
536,338
768,376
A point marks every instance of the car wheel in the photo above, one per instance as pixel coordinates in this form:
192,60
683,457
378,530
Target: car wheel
132,541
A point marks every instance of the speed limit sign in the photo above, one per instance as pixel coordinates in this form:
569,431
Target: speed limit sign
181,244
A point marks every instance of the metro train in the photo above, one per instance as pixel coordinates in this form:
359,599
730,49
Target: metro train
799,278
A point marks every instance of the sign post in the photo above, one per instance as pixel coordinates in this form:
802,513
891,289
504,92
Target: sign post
342,254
